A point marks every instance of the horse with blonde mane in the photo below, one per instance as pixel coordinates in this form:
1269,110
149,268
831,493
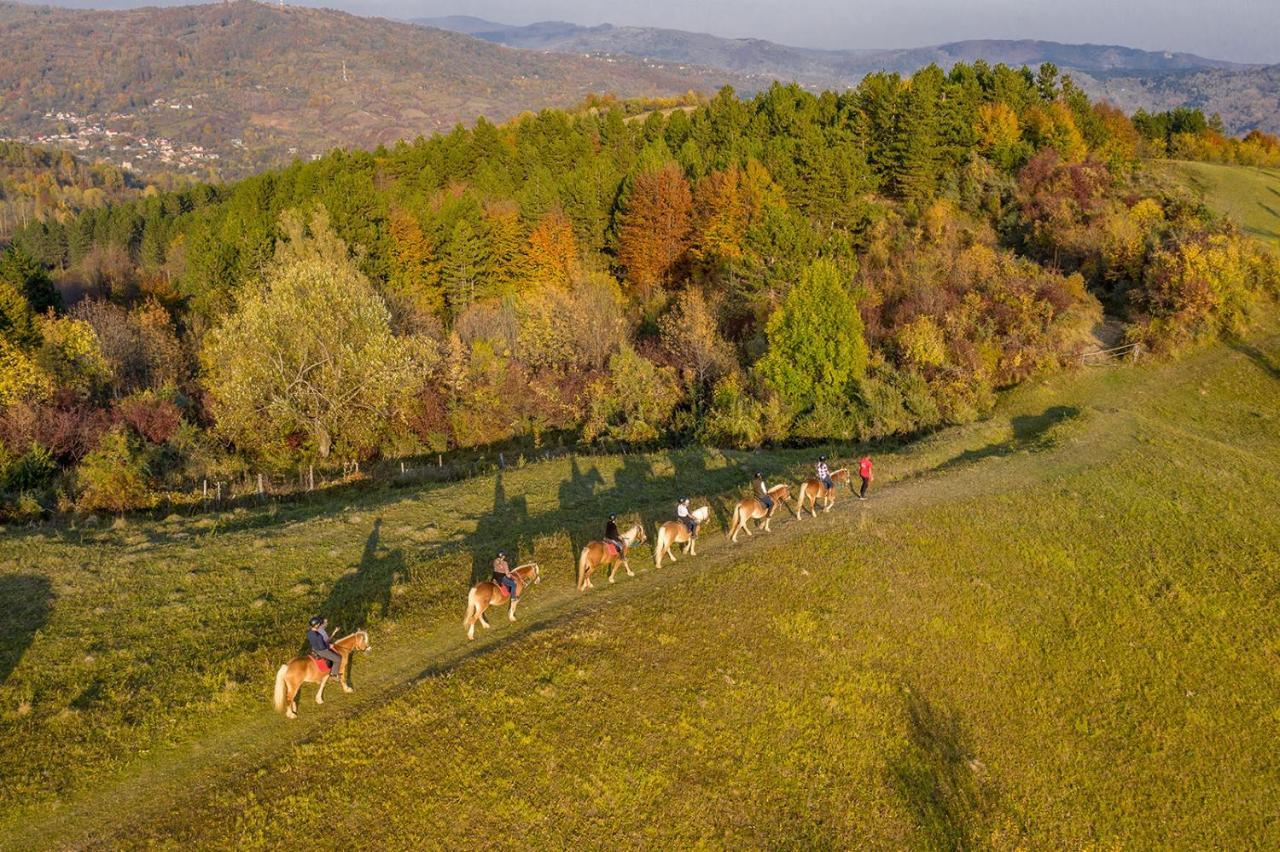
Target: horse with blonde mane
597,553
675,532
308,669
813,488
486,593
751,509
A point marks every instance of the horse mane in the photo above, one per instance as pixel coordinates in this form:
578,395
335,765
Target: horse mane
701,513
780,487
632,532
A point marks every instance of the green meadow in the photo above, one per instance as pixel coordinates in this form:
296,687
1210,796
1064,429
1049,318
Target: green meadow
1247,194
1054,628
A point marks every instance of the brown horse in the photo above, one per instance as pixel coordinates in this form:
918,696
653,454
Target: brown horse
597,553
305,669
814,488
486,593
675,532
751,509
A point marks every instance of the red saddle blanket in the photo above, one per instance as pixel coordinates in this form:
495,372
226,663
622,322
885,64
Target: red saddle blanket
611,549
323,664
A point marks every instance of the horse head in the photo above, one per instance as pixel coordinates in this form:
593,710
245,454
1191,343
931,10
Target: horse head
635,535
701,514
531,570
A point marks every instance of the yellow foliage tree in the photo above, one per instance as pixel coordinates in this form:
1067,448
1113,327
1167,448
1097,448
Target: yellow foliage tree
551,255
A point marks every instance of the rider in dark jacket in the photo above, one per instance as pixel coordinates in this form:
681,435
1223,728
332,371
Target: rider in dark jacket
762,491
318,639
612,535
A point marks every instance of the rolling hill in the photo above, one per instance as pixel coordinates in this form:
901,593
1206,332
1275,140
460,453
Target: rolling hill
235,87
1245,96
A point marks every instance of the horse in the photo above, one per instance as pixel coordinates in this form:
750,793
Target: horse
751,509
597,553
813,488
486,593
307,669
675,532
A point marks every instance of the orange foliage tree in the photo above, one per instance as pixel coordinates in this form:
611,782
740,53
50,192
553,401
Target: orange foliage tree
551,255
655,226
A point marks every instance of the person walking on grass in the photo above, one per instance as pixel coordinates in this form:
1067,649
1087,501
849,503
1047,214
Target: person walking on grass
864,470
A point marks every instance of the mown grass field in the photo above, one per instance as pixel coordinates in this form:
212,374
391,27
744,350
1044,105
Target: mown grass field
1250,196
1055,628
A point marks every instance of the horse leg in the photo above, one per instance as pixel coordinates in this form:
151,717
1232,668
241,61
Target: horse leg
324,679
511,611
627,565
292,712
344,676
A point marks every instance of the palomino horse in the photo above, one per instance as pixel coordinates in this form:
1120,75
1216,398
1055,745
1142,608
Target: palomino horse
597,553
751,509
486,593
675,532
306,669
812,489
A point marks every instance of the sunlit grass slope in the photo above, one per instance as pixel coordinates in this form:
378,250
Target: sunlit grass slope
1056,628
1250,196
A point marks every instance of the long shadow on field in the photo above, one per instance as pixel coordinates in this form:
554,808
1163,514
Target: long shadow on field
1267,362
577,496
365,591
937,777
1031,432
497,530
25,603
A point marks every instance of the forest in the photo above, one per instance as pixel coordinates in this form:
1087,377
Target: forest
787,268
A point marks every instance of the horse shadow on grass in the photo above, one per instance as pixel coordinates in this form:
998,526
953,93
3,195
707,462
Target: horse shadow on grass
364,592
940,779
26,601
1031,433
497,530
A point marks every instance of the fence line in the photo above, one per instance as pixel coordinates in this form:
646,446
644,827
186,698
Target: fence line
1130,352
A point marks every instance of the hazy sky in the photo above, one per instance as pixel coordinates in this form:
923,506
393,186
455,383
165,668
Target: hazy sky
1240,30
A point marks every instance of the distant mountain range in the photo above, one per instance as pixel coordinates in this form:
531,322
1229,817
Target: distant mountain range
235,87
1246,96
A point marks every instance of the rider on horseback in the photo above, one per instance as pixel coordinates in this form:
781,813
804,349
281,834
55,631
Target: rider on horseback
612,536
321,647
502,575
762,491
684,516
824,474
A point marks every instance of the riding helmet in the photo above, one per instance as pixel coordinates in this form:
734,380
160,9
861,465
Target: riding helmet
684,499
502,553
759,475
316,621
822,458
612,516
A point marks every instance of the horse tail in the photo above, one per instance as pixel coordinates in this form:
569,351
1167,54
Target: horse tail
582,565
472,606
660,541
280,687
734,521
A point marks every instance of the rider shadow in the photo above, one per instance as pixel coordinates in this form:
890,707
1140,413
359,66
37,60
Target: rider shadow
365,591
633,486
25,603
577,496
496,531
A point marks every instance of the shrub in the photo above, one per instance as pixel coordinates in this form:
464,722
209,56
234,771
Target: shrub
114,477
734,418
634,403
153,418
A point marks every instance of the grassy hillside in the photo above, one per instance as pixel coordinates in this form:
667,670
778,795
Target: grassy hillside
1249,195
1053,628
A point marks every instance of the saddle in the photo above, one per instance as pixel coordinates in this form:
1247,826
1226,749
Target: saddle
611,549
324,665
502,590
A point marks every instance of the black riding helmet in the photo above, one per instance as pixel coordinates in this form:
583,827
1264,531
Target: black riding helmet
759,475
316,621
822,458
502,554
612,516
684,499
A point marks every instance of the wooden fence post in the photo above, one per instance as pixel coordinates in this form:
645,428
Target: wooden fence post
260,490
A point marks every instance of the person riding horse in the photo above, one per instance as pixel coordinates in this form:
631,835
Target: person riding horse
824,474
502,575
612,536
762,491
321,646
685,517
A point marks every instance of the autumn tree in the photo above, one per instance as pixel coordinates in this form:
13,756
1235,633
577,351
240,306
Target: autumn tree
551,255
691,339
817,352
414,280
655,226
720,217
307,351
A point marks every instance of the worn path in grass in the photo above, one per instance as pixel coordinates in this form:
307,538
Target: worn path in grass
227,777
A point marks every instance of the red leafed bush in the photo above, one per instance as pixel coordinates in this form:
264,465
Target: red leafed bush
154,419
67,427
